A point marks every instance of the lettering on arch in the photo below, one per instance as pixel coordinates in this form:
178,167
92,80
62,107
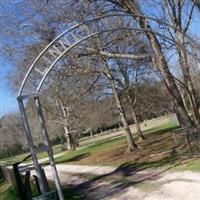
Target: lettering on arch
61,45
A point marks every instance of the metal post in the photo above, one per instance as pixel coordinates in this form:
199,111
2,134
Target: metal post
31,145
49,150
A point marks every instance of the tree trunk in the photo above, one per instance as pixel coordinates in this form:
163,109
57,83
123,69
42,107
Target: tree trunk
69,139
101,131
184,97
162,66
91,133
187,77
135,118
131,144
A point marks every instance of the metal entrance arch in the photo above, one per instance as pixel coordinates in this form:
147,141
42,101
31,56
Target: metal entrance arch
42,66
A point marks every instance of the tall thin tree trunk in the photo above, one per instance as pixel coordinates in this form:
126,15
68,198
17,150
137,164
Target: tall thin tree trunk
162,66
91,133
131,144
184,97
187,77
101,131
135,118
68,136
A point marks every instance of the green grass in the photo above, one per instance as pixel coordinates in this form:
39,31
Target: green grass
18,158
13,159
71,156
104,144
91,146
8,192
190,165
161,128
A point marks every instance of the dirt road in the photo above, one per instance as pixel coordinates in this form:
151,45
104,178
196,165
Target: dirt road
123,183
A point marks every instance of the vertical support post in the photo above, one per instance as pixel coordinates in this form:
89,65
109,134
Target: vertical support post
31,144
49,150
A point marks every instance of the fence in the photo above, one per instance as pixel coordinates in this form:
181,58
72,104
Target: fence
187,141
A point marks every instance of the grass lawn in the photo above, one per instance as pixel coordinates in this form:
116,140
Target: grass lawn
18,158
190,164
155,150
7,192
89,142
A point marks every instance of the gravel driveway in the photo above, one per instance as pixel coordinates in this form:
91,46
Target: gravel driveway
108,184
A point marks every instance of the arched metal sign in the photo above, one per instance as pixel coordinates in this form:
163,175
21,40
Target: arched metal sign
69,39
44,63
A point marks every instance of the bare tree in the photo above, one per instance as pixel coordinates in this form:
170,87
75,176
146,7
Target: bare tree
174,12
131,144
133,72
12,138
132,7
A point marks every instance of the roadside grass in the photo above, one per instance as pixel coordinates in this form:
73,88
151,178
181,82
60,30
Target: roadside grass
84,143
190,165
8,192
13,159
156,151
18,158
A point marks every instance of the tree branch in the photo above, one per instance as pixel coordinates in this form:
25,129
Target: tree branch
189,17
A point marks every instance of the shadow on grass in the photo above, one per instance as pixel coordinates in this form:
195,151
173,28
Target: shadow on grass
1,176
74,158
71,194
159,131
106,142
85,152
1,181
8,192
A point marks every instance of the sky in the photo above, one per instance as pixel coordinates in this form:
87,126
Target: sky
8,102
